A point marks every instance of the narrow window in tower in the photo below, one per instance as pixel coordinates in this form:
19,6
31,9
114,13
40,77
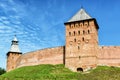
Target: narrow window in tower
69,33
83,32
79,57
88,31
74,33
74,40
85,24
83,39
78,47
78,32
81,24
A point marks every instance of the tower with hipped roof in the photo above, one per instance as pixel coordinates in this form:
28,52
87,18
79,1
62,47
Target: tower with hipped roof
13,55
81,42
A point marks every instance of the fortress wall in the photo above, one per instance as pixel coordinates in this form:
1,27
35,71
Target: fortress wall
44,56
109,55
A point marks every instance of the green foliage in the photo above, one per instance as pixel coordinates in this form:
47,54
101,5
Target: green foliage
59,72
2,71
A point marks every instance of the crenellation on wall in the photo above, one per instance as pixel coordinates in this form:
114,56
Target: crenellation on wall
109,55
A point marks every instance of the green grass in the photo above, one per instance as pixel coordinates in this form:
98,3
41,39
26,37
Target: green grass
59,72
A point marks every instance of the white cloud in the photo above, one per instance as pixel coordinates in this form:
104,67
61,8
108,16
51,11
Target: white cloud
3,5
3,18
6,22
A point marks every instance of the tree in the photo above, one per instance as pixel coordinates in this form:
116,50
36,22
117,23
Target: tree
2,71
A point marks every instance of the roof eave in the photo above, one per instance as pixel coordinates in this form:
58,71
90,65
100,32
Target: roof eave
14,52
97,26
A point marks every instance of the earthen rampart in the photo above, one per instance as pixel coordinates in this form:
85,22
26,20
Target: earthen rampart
44,56
109,55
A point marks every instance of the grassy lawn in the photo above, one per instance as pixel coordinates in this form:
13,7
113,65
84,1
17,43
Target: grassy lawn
59,72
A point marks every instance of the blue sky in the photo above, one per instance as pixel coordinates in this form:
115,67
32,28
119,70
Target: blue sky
39,24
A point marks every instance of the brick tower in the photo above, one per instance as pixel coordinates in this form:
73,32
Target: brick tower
81,42
13,55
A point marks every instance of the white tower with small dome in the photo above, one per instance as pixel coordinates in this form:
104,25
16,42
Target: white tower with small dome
13,54
14,45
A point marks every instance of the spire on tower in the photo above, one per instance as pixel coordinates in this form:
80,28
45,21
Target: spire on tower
15,38
80,15
14,45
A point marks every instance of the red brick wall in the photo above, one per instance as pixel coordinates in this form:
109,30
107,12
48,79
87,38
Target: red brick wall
12,58
44,56
109,55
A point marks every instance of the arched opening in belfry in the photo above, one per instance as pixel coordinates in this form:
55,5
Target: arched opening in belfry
79,70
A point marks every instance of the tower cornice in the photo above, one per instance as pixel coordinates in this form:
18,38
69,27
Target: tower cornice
13,53
97,26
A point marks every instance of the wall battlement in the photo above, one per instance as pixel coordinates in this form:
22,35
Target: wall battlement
109,47
109,55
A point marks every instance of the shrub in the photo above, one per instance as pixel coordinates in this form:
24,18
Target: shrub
2,71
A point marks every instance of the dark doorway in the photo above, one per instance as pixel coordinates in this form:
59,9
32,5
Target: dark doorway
79,70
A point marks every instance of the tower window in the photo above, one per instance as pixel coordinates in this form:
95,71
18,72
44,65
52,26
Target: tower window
83,32
86,24
78,32
81,24
74,40
69,33
74,33
78,47
88,31
83,39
